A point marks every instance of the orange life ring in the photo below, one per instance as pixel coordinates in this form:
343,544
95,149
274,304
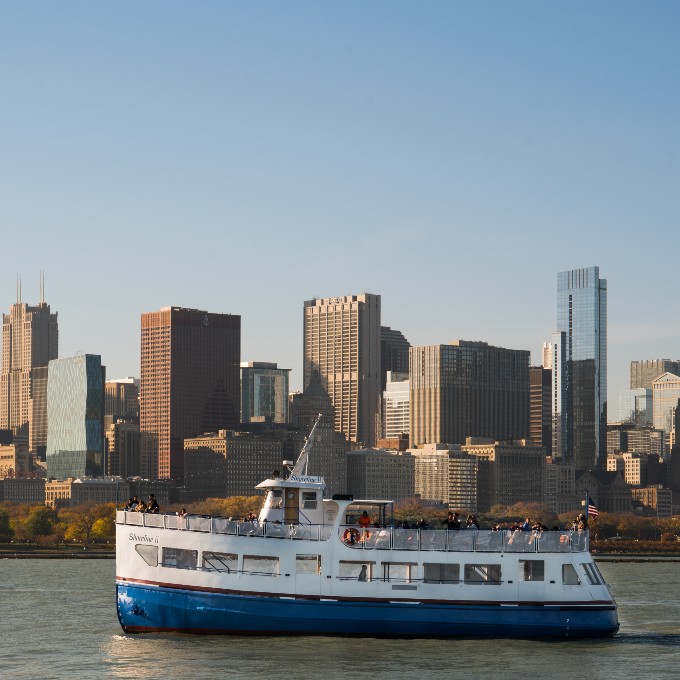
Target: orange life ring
350,536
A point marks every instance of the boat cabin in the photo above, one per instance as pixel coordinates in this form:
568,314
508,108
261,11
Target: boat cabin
295,500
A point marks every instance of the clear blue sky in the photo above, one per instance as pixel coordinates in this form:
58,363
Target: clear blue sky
245,157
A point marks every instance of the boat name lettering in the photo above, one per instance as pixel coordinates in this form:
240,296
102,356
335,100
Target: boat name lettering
143,539
298,478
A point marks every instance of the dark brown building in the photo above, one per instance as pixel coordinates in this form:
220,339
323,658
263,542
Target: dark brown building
540,407
189,379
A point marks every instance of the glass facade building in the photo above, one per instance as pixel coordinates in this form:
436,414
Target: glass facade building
580,369
75,413
264,392
635,406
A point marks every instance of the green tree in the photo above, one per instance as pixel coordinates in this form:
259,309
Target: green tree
6,531
40,522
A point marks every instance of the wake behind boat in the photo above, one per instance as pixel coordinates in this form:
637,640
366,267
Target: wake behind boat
307,565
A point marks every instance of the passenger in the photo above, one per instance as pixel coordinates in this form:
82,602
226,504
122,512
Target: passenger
182,513
364,520
452,522
140,507
130,505
527,524
422,524
405,525
363,574
471,522
153,505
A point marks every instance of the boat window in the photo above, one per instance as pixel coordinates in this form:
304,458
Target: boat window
308,564
220,561
569,575
260,564
476,574
400,571
591,574
309,500
276,498
361,571
149,553
531,570
179,558
434,572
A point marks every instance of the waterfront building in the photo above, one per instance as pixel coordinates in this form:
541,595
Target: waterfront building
580,369
393,353
665,398
607,489
71,492
644,373
342,341
635,466
75,412
629,438
396,400
560,486
22,490
189,379
121,399
328,451
264,392
655,499
432,471
30,340
635,406
378,474
540,407
465,389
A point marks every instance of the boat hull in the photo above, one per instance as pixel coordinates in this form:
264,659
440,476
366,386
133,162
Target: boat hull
152,607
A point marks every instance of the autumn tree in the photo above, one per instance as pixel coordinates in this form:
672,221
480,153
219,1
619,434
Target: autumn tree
39,522
6,531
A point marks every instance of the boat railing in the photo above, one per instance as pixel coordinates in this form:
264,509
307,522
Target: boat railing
372,538
466,540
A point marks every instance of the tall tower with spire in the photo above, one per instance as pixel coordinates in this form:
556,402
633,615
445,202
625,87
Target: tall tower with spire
30,339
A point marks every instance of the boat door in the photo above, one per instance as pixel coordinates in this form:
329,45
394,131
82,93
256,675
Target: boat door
291,506
530,580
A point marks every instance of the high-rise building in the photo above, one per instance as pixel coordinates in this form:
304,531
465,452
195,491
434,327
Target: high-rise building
342,342
75,412
264,392
122,399
540,407
468,389
547,357
123,448
189,379
328,451
665,398
393,353
396,412
635,406
30,339
580,369
377,473
644,373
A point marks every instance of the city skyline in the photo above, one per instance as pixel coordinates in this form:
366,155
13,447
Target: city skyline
450,158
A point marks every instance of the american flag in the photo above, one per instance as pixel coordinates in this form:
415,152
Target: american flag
592,510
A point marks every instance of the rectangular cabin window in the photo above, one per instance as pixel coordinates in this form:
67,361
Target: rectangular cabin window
435,572
531,570
309,500
308,564
360,571
225,562
569,575
260,564
149,553
591,574
400,571
483,574
179,558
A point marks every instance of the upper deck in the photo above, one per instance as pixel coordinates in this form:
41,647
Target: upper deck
373,538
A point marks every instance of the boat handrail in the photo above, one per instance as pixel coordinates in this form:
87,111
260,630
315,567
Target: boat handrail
373,538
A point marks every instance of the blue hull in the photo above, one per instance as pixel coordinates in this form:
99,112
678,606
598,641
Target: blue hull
143,608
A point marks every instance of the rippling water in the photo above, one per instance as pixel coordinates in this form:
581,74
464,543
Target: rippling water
58,620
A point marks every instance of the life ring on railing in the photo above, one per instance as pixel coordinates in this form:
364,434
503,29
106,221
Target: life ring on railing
564,538
351,536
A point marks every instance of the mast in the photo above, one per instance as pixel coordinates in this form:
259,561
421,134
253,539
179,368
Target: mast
304,454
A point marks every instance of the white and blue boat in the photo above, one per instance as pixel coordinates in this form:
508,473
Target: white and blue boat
306,566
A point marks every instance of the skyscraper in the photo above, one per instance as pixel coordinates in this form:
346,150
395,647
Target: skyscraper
30,339
540,407
264,391
580,369
189,379
75,412
342,342
468,389
393,353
